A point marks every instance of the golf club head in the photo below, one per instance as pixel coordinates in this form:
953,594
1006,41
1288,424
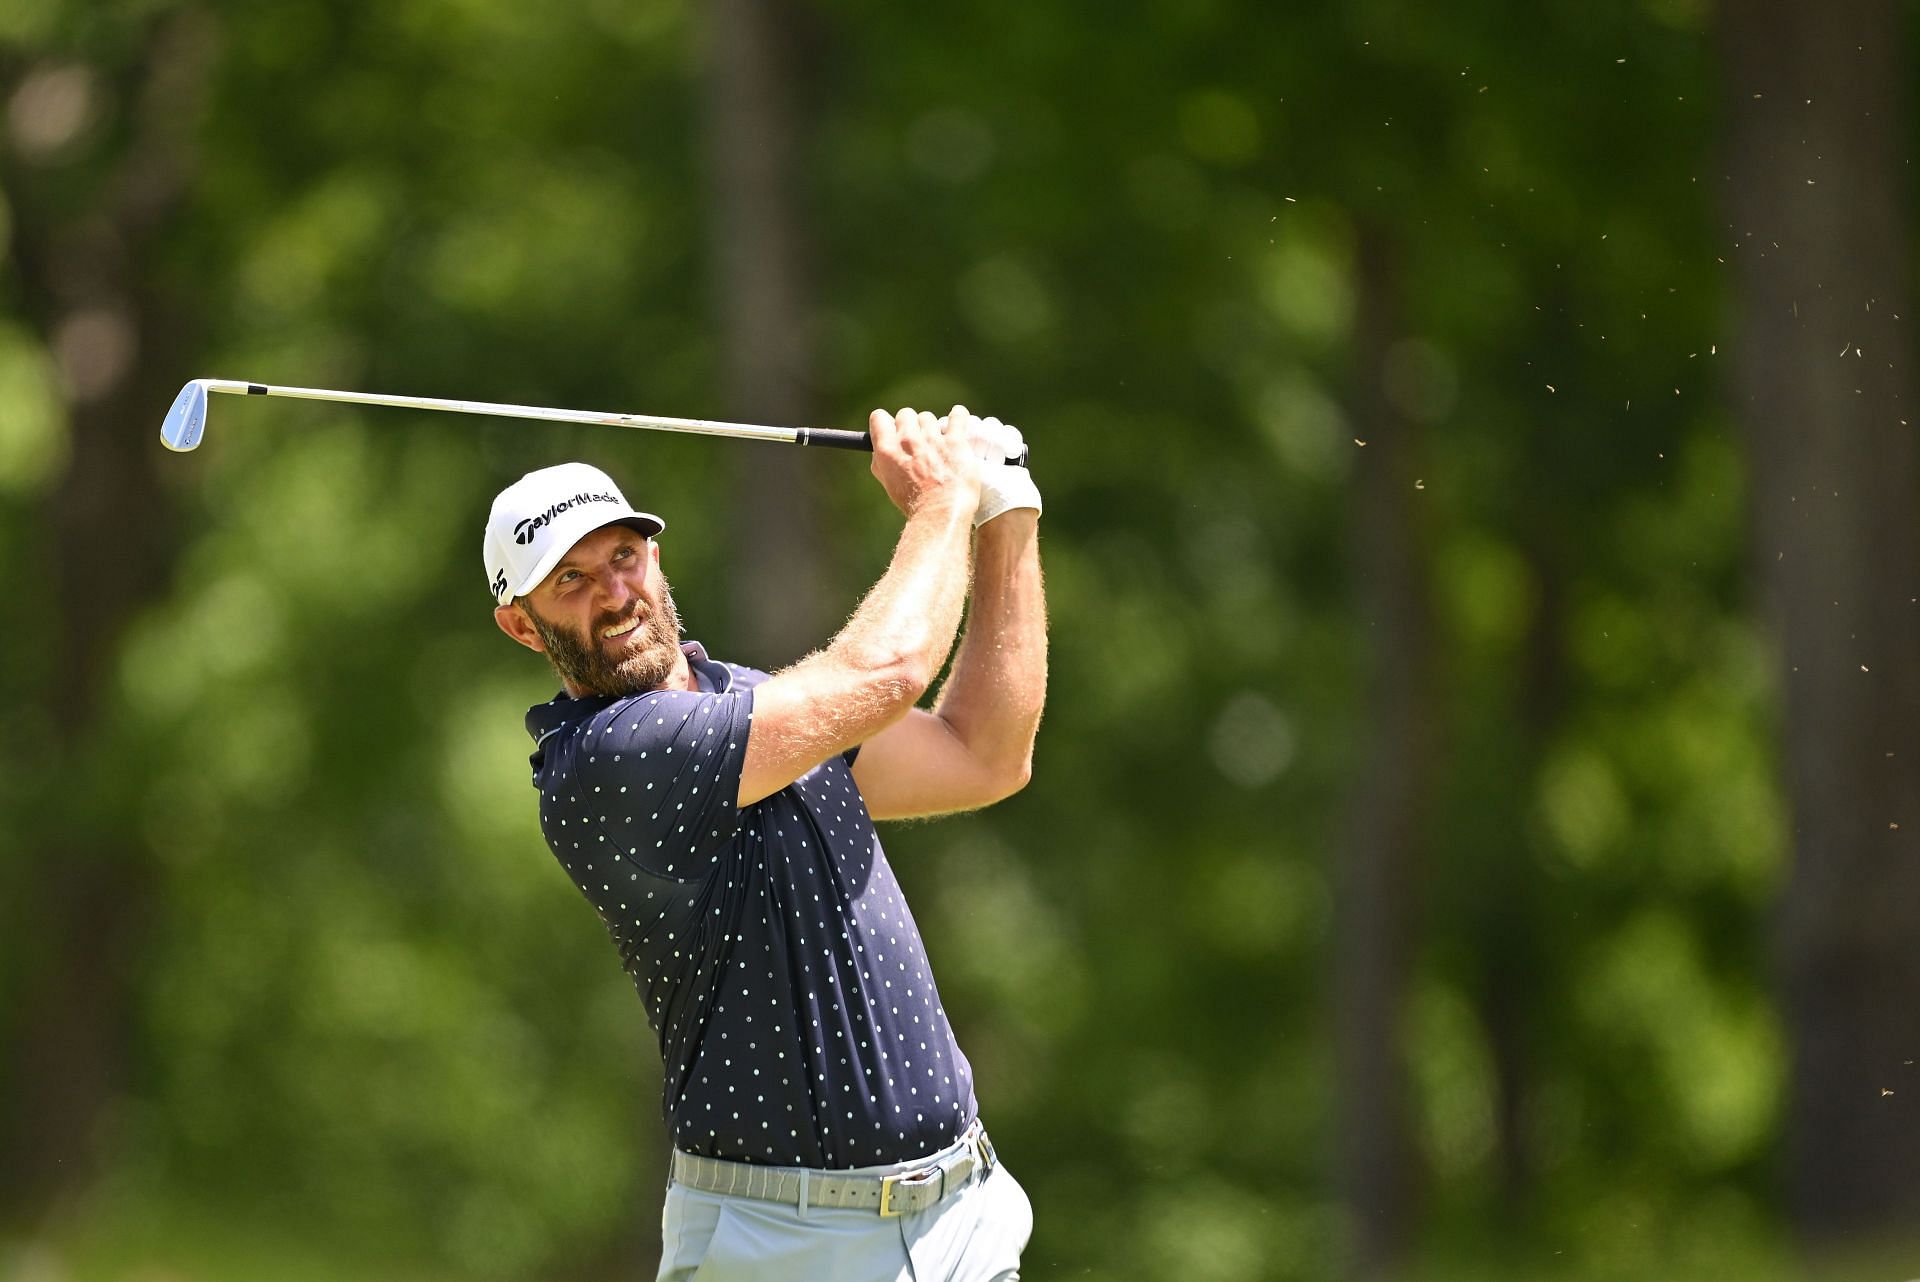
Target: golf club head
187,420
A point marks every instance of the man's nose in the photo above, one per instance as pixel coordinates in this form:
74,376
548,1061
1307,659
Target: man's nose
620,585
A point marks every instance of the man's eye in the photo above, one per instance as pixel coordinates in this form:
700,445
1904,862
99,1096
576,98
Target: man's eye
567,576
622,552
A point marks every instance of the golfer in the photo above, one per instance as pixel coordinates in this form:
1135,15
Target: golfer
721,821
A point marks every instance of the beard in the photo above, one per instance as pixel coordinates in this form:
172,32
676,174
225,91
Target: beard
644,663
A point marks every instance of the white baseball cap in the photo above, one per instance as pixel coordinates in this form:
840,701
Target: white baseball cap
537,520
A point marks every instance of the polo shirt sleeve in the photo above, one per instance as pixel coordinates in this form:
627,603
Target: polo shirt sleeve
663,773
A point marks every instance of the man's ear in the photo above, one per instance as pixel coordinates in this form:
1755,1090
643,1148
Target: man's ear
514,622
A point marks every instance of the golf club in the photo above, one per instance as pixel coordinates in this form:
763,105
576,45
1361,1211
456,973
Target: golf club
186,421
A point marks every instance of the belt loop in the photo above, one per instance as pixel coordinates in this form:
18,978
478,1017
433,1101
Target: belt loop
803,1192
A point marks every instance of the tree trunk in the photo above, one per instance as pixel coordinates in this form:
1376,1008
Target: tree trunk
1819,223
1378,882
760,258
105,552
1514,926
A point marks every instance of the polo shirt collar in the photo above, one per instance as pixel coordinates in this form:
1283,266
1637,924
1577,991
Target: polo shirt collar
563,710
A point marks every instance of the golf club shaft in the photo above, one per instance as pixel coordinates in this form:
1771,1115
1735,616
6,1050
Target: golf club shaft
833,437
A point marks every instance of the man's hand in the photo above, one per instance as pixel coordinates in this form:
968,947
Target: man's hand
1004,486
919,458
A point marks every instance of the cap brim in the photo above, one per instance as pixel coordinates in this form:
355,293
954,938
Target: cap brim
645,522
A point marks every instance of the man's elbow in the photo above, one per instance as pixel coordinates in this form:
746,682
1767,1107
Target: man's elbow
890,682
903,682
1008,781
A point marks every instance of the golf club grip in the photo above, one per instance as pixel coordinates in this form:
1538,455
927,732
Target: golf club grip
840,440
834,437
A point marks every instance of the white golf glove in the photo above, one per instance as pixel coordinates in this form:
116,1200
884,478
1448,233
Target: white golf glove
1004,486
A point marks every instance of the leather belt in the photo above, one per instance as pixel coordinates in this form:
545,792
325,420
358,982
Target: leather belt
914,1186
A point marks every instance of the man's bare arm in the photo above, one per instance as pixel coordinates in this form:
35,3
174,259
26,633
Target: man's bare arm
976,745
877,667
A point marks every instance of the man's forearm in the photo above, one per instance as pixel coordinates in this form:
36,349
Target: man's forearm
993,697
909,618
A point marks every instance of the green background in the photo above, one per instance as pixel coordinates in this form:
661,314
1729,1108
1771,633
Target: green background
264,751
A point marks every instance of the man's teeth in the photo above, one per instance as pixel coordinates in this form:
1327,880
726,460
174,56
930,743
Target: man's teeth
621,629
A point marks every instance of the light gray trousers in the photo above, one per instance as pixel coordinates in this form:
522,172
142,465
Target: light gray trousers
976,1235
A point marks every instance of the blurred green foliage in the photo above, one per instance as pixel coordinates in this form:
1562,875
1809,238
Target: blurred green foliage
376,1031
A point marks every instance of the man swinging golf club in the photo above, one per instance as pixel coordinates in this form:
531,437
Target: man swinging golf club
720,820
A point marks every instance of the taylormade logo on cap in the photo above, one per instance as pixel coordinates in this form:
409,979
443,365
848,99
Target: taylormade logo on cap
536,521
525,530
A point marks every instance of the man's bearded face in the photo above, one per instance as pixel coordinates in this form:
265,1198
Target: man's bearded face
633,663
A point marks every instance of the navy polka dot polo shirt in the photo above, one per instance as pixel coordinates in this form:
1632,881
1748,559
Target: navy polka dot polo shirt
780,968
